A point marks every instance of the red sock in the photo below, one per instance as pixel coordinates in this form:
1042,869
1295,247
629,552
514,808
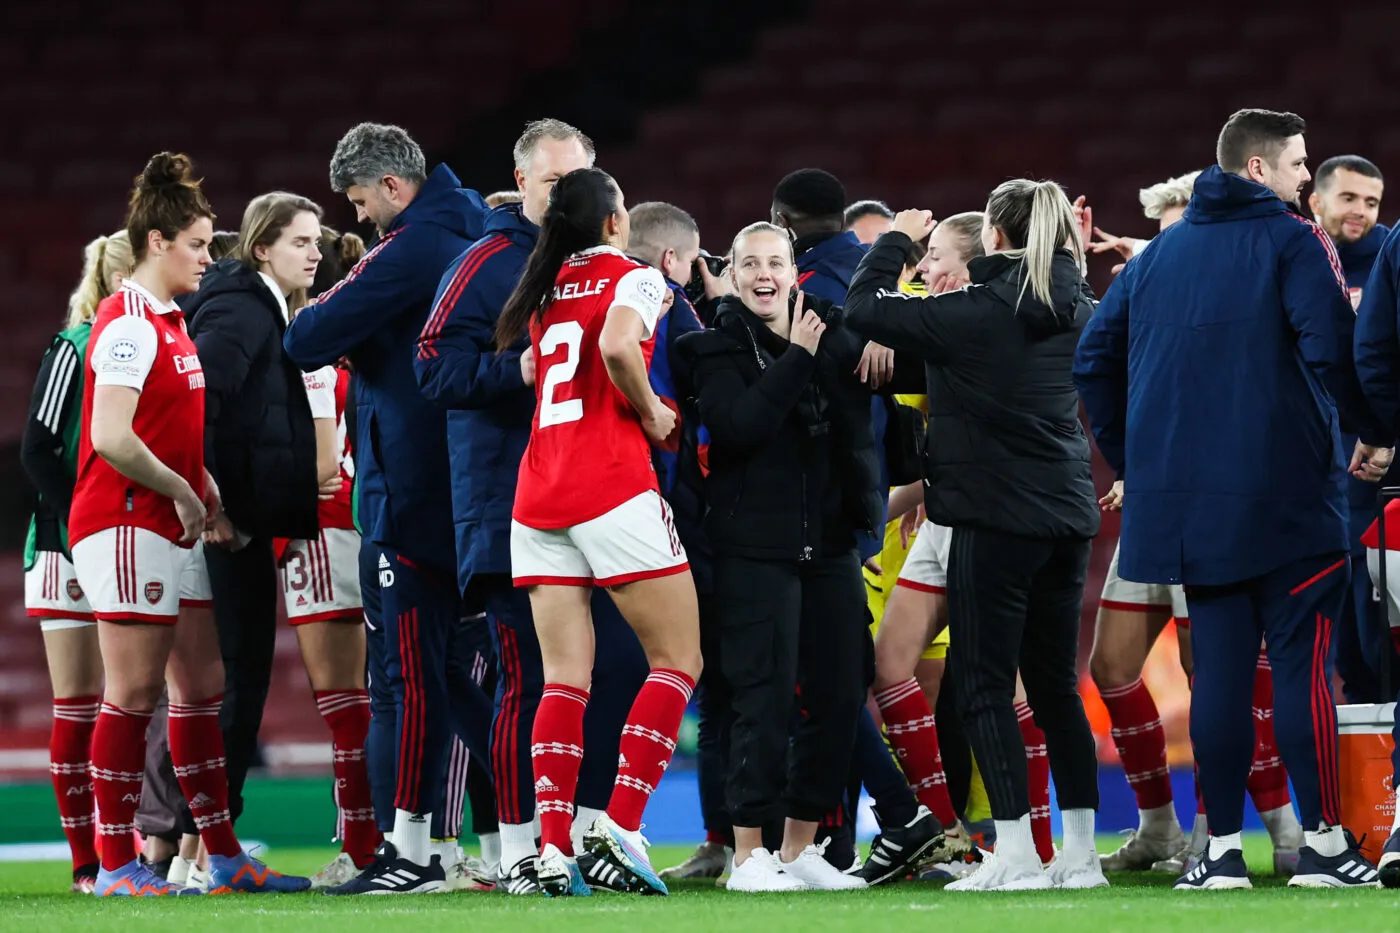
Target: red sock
556,751
716,838
197,751
1141,743
648,741
1038,781
70,767
1268,781
118,759
347,714
911,730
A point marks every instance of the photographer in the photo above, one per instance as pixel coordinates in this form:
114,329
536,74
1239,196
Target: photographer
793,477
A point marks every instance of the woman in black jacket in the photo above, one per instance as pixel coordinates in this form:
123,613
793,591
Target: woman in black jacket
260,446
793,475
1007,468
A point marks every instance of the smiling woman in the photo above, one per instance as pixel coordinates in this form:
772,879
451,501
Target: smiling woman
793,478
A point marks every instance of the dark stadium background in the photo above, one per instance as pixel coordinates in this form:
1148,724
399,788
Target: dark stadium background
921,104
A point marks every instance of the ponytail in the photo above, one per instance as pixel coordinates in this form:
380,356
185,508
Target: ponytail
1037,219
102,258
579,206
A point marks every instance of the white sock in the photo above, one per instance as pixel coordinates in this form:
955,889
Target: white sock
389,838
1328,843
1159,821
583,819
1395,824
517,843
1219,845
1200,833
535,826
179,870
1283,826
447,851
413,836
491,849
1079,830
1015,842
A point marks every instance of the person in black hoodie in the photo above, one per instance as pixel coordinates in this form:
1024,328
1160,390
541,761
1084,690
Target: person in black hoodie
260,445
1007,468
793,477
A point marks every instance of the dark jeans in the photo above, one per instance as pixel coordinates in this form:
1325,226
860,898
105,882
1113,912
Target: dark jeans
245,589
1014,602
786,625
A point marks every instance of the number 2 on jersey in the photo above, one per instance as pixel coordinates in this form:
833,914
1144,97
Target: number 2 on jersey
567,334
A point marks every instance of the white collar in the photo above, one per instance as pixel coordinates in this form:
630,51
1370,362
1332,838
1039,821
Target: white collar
598,251
157,306
271,283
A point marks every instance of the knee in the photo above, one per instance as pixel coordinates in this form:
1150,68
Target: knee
138,696
1109,672
892,665
688,663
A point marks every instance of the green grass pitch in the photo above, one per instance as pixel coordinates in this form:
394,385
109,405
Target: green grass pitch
33,897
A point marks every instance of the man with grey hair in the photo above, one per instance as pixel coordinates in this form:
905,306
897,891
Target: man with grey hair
490,400
371,318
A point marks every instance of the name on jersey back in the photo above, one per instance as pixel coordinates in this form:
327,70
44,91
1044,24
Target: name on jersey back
582,289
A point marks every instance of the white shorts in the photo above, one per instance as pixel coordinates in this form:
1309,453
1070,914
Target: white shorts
52,594
1141,597
635,541
321,578
135,575
926,567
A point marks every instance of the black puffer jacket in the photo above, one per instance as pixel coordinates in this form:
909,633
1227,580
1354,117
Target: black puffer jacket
1005,449
259,439
793,469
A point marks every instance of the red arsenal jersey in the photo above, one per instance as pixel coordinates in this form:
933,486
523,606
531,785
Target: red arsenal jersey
588,453
327,389
142,344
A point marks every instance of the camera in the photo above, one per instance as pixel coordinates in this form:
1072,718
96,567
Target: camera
695,288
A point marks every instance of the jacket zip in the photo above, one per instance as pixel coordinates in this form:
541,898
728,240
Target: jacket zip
806,548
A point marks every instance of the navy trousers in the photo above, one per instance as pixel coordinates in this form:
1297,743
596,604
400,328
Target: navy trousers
619,668
1293,610
383,714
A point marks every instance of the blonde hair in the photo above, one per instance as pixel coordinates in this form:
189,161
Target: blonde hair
762,226
1037,219
497,198
265,218
1174,192
102,258
967,227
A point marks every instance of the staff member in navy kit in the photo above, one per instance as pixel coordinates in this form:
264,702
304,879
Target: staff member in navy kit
373,316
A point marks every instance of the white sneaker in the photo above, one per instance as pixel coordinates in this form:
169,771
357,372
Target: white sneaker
1144,849
996,873
340,870
1077,871
812,868
199,878
179,872
762,873
472,874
